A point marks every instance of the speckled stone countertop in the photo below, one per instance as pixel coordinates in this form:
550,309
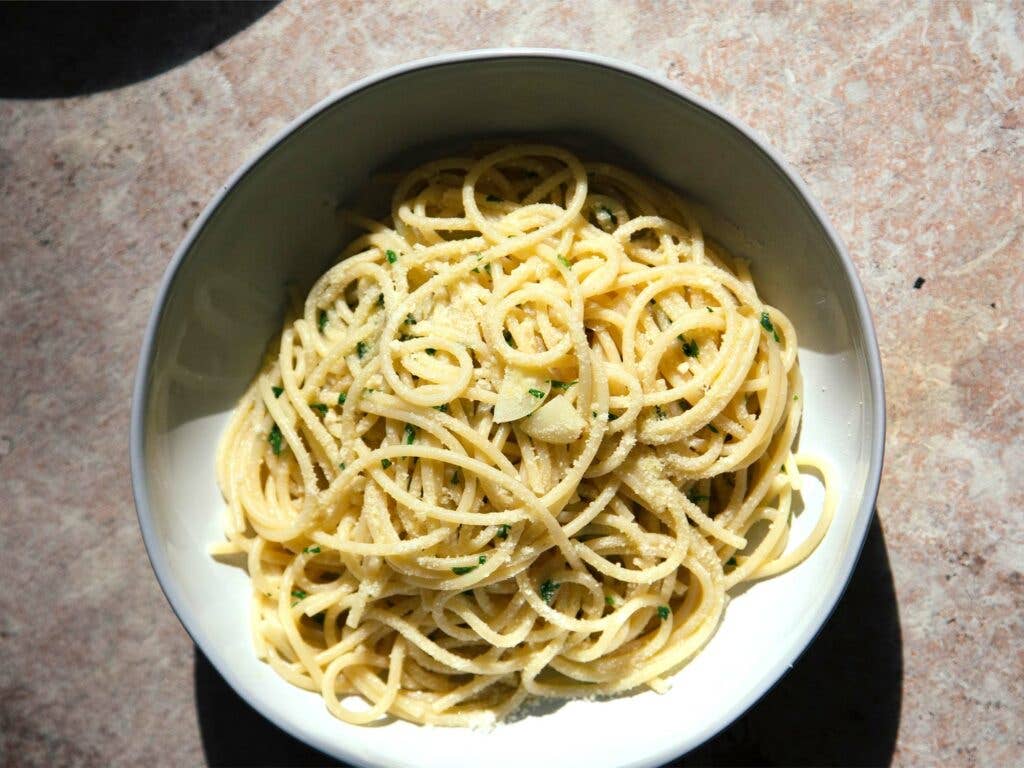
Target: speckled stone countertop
907,124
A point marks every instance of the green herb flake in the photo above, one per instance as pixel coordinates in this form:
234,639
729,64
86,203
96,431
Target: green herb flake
321,320
507,334
315,550
443,407
476,270
710,309
502,531
562,385
535,392
410,320
547,591
410,434
713,428
380,300
663,612
361,349
278,391
766,323
690,348
462,570
659,412
487,268
391,256
796,397
274,438
299,594
609,601
342,397
431,351
319,407
697,498
564,261
385,463
482,559
342,465
612,416
731,561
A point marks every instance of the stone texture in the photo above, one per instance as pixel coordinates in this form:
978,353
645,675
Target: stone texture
907,124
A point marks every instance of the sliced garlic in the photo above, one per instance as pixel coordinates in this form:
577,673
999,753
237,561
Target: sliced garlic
520,394
555,422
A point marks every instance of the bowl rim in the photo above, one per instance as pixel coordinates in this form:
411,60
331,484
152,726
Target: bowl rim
668,749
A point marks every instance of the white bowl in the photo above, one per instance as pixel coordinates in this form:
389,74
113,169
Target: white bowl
274,222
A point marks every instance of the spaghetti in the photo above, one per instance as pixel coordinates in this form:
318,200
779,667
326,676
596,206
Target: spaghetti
520,441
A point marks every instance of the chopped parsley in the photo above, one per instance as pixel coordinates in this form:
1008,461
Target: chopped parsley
342,465
443,407
313,550
391,256
796,397
563,385
609,600
697,498
710,309
535,392
321,320
713,428
274,438
663,612
299,594
766,323
319,407
482,559
507,334
278,391
342,397
361,349
385,463
410,320
658,412
612,416
431,351
380,300
731,561
487,268
502,531
462,570
410,434
547,590
690,348
563,261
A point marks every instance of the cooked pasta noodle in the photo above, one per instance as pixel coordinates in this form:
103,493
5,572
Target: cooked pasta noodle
519,441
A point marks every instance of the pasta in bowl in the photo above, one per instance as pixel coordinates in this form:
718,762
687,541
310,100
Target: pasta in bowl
520,441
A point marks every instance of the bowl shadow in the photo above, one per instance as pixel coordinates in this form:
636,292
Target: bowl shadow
50,50
838,705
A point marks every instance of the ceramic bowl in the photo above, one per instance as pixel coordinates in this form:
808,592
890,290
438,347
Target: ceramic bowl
275,222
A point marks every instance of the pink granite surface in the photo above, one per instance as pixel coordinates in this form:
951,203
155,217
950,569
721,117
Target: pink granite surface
907,124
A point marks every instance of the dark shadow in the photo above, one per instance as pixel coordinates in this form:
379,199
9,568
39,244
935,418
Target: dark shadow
52,50
235,734
839,705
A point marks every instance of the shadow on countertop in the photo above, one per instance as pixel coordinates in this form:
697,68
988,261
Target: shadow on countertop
51,50
838,705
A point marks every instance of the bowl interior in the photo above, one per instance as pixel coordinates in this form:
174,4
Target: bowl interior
277,224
